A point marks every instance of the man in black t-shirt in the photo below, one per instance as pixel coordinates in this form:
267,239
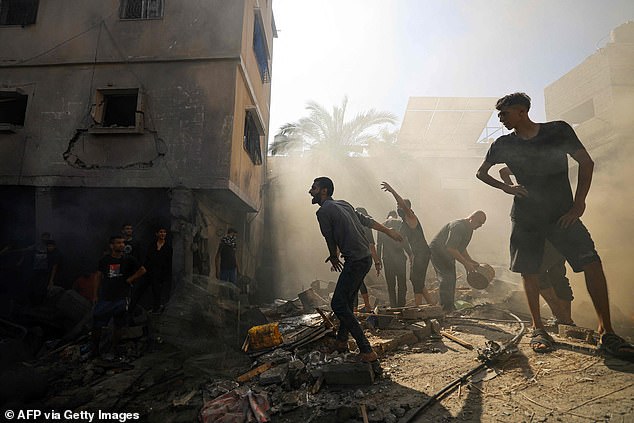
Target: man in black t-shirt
117,272
545,209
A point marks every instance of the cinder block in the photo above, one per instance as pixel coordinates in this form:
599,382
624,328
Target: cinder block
422,312
422,329
348,374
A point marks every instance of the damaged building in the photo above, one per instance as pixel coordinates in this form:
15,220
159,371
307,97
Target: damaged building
145,112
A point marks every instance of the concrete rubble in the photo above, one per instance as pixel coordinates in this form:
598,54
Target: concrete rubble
187,364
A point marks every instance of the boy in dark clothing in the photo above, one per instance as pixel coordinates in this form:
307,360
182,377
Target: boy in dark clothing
117,272
227,268
158,263
545,209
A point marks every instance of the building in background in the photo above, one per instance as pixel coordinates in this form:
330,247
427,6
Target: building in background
149,112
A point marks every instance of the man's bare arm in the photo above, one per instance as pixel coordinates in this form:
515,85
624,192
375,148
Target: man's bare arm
410,217
483,175
505,175
584,180
462,259
396,236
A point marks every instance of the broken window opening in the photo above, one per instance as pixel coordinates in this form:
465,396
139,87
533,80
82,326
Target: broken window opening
18,12
12,110
141,9
260,48
252,135
118,111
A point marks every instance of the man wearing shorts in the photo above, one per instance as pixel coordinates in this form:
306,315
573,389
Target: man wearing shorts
545,209
117,272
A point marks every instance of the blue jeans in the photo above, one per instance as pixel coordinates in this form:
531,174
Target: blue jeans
342,303
230,275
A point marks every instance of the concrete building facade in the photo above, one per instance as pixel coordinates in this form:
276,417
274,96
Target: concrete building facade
149,112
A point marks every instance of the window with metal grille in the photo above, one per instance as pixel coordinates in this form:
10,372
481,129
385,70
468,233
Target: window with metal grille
12,110
252,138
141,9
18,12
260,48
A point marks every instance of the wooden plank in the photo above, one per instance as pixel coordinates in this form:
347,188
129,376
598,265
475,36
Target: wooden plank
456,340
254,372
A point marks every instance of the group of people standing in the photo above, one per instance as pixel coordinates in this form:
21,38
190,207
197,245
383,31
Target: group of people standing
544,210
123,274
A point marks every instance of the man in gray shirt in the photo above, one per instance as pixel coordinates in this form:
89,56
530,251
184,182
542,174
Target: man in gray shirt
449,245
342,228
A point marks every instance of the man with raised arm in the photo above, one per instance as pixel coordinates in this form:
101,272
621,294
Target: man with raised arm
545,209
342,228
413,231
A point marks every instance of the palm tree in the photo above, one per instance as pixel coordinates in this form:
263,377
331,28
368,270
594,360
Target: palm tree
330,133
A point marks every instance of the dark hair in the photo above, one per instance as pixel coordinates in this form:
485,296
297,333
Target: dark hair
325,182
392,213
113,237
231,231
515,99
126,224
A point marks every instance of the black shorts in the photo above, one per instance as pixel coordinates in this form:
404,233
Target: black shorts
527,245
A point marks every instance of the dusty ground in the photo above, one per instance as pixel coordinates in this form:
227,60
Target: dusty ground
565,385
165,385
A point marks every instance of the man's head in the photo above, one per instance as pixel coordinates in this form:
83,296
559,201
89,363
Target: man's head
513,109
322,189
117,244
127,230
392,214
232,232
161,233
477,219
45,237
400,211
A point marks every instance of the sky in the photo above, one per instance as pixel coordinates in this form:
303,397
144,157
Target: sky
381,52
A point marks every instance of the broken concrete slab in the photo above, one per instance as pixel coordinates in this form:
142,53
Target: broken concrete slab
422,312
422,329
348,374
391,340
275,375
310,300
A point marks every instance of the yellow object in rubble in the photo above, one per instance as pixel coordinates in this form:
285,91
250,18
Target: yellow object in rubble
265,336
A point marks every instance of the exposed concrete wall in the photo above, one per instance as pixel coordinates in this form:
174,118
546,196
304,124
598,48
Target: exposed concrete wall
70,31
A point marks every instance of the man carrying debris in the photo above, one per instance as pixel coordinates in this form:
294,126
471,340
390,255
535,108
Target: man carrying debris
342,229
117,272
554,286
449,246
544,208
394,261
413,231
